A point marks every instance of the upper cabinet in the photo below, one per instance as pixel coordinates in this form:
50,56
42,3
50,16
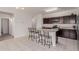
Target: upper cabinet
70,19
51,20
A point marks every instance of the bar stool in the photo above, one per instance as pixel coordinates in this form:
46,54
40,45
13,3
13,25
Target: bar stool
36,33
41,37
47,39
31,33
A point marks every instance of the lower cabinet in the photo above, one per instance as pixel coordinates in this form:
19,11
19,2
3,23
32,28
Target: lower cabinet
67,33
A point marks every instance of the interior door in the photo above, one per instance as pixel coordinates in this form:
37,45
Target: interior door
4,26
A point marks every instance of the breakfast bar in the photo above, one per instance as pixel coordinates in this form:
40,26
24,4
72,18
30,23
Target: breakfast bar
52,33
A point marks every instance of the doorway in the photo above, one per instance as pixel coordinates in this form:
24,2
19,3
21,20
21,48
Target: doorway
5,29
4,26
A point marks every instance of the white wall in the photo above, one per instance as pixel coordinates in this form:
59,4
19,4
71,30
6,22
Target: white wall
22,21
38,20
11,26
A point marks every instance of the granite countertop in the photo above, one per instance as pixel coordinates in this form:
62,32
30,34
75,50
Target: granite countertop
47,27
50,29
70,28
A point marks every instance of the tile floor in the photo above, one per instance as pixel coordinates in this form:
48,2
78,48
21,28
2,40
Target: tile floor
23,44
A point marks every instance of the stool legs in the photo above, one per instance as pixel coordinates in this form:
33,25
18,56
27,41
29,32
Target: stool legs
39,37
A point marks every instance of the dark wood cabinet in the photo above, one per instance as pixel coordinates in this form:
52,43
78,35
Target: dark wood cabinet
69,19
45,20
67,33
50,20
73,34
66,20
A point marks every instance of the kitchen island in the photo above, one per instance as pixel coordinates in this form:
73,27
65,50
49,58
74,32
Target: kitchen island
52,33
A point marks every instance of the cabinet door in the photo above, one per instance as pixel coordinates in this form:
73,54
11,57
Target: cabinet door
45,21
65,33
73,19
61,20
59,33
66,20
72,34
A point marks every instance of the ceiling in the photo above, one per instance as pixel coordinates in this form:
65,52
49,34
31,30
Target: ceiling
36,10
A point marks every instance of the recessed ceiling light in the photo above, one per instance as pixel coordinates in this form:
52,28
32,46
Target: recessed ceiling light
20,8
51,9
